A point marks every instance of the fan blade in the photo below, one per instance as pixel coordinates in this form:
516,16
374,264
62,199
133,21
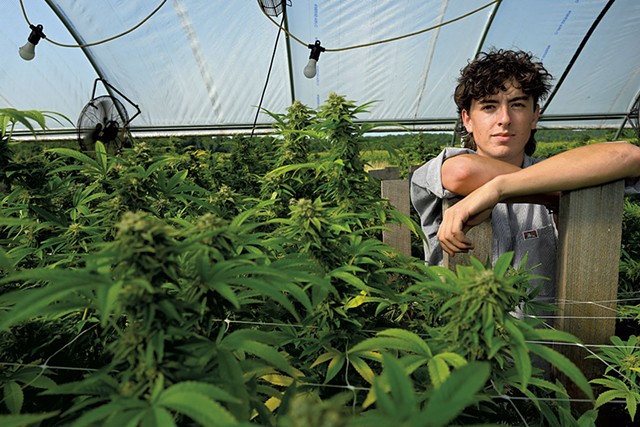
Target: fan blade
104,109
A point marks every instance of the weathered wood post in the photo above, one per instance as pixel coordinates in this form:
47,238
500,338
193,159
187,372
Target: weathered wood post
590,231
397,192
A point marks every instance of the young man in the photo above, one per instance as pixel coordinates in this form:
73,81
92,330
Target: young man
497,98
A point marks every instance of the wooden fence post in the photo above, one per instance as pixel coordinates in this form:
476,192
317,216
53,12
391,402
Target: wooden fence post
590,230
390,172
397,192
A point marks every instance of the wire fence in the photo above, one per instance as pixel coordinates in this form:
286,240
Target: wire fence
591,348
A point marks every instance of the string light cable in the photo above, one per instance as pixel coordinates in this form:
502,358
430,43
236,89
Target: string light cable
392,39
124,33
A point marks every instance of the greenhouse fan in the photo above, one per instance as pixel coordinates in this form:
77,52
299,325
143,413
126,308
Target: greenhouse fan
105,119
274,7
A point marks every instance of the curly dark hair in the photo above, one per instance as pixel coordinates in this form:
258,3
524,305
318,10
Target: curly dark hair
488,73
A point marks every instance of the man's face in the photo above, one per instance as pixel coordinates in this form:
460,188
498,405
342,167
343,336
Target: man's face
501,124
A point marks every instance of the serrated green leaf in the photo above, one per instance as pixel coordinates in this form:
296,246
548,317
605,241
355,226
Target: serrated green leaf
28,303
381,343
356,301
400,386
6,262
516,335
379,395
36,116
588,419
550,335
33,377
158,417
632,405
264,352
219,286
394,339
350,279
522,362
453,359
198,407
209,390
502,264
550,415
547,385
97,384
456,393
237,338
230,372
96,415
263,286
13,396
362,368
334,367
101,158
125,418
411,362
608,396
325,357
411,337
22,420
476,264
106,298
438,371
565,365
68,152
612,383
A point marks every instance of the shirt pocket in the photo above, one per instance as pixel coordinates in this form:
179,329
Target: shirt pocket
540,237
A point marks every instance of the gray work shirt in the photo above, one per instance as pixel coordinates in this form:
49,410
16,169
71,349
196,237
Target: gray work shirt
526,229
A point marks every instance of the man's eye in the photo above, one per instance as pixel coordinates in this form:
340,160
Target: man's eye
487,107
518,105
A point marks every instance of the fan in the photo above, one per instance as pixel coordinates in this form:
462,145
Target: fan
105,119
274,7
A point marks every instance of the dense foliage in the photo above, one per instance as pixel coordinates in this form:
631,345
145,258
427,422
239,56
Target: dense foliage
245,283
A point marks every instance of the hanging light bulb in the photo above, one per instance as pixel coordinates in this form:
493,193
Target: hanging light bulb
28,51
314,56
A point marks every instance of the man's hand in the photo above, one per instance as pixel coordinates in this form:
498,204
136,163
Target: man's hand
465,214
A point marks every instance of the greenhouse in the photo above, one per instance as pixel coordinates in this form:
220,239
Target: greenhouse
208,217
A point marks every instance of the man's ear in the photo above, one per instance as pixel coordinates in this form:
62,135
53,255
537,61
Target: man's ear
466,121
536,117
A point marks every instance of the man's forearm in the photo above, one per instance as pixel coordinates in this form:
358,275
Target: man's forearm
580,167
465,173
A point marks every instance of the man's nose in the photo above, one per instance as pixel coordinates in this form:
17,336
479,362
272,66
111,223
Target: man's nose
504,118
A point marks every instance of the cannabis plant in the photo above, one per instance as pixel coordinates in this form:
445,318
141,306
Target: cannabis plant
621,379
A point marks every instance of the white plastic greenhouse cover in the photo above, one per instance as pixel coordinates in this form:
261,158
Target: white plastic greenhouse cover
202,65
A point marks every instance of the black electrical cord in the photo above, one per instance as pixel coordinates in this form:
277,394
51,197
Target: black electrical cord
264,89
124,33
